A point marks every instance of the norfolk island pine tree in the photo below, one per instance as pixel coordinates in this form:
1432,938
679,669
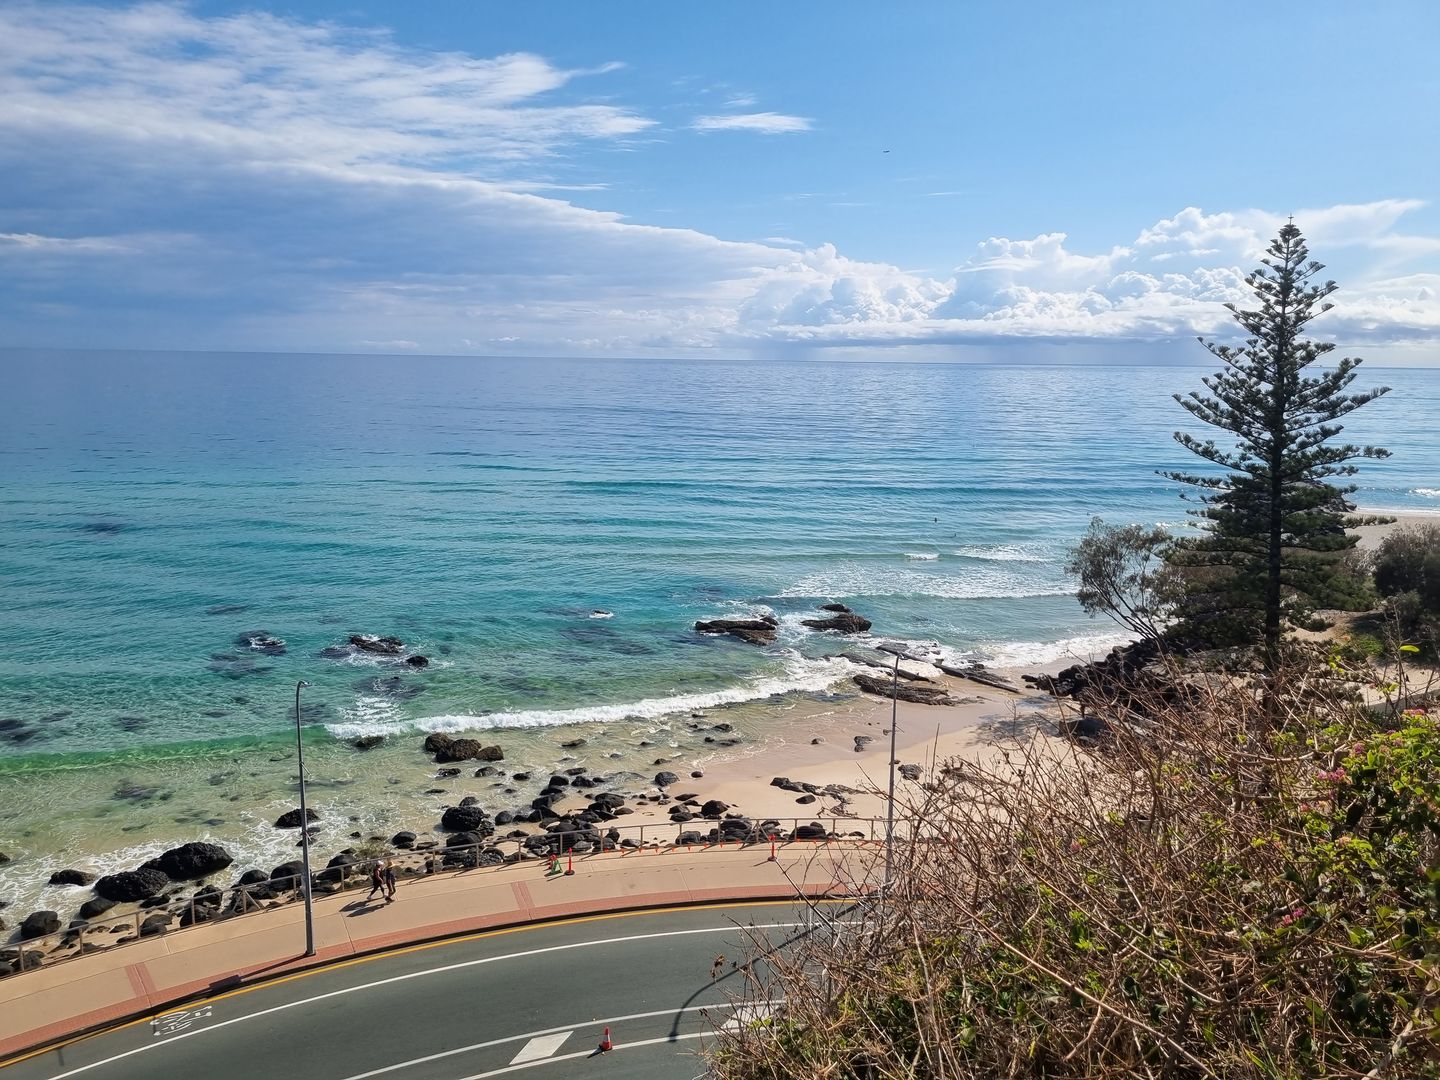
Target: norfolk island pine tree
1274,521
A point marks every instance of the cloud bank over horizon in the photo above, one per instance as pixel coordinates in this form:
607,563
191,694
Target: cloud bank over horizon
260,182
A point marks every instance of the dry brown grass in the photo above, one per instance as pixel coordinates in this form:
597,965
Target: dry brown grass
1202,895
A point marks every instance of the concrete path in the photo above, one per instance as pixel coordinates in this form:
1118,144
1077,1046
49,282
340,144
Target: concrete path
74,996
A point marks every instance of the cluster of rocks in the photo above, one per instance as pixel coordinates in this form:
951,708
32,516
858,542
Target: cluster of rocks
763,630
1131,677
374,645
447,748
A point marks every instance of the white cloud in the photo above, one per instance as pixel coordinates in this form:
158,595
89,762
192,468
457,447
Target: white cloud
768,123
272,183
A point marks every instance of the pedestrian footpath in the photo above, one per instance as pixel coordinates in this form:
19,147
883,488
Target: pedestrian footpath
53,1002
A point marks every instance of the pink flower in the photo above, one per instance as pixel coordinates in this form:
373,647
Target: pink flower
1297,913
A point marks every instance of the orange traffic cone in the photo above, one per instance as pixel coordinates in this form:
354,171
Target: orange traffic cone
569,865
772,848
605,1044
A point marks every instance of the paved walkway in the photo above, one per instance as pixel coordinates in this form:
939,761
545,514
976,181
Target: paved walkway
69,997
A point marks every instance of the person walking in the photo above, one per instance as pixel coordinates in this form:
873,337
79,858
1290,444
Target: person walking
377,879
389,882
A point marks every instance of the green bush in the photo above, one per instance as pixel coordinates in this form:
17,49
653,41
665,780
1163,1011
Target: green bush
1408,560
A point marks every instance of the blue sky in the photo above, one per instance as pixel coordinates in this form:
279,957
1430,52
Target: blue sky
916,181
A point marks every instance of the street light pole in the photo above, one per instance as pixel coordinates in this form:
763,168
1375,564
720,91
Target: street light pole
304,830
894,726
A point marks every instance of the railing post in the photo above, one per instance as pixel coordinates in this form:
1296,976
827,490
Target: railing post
137,925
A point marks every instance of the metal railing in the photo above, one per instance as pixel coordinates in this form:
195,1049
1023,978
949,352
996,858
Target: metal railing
86,936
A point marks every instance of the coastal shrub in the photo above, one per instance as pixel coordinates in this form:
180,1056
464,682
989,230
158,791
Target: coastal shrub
1408,561
1206,896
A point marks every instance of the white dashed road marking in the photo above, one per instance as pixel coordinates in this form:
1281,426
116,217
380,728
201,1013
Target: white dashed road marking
541,1047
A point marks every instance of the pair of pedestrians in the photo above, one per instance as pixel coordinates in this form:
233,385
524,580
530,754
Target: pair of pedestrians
382,880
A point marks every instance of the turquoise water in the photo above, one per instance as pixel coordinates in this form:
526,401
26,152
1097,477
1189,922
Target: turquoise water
155,507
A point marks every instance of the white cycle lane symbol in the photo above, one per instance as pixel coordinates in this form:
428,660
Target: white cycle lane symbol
177,1022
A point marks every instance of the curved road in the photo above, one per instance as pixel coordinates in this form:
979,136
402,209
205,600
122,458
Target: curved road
530,1001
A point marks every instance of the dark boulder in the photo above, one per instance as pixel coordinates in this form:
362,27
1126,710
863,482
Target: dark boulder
96,905
418,661
465,749
342,866
194,860
71,877
609,800
805,800
381,646
845,623
367,742
288,875
131,885
713,809
40,923
665,779
759,631
463,819
155,924
260,641
447,773
839,609
813,831
291,819
252,877
403,839
911,772
436,740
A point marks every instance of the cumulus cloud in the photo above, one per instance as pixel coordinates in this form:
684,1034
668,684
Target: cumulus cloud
253,181
768,123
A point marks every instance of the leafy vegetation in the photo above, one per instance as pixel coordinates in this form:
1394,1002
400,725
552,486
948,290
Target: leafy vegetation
1192,902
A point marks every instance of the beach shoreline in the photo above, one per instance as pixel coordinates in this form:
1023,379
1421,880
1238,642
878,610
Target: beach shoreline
365,796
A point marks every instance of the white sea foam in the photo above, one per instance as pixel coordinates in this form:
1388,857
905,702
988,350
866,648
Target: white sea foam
973,583
598,614
1033,653
922,556
799,675
1426,493
1000,553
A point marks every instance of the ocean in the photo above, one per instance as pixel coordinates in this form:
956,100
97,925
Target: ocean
545,531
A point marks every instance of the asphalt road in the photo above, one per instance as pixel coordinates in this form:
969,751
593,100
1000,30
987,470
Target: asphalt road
532,1002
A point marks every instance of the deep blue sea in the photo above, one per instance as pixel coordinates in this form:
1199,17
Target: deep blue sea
157,508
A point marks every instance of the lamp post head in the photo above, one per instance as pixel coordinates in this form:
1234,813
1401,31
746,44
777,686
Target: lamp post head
301,683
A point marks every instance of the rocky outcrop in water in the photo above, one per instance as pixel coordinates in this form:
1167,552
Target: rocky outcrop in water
261,641
447,748
189,862
379,646
71,877
846,622
291,818
759,631
131,885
